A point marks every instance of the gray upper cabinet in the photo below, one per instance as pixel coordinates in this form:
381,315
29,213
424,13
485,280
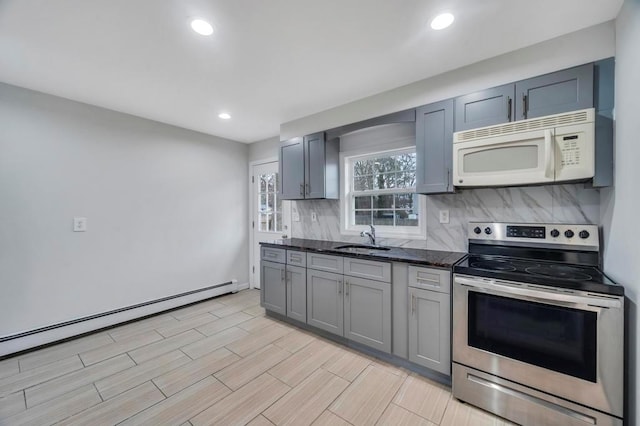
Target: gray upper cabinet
554,93
292,169
297,292
434,147
324,301
484,108
309,168
273,291
367,312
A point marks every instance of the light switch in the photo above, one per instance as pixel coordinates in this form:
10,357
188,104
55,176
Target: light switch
79,224
444,216
314,217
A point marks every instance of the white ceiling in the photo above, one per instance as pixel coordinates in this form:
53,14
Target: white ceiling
268,62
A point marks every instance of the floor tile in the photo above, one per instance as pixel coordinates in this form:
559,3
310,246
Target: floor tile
395,415
186,324
294,341
260,421
9,367
119,408
364,401
38,375
182,377
236,307
244,404
134,376
197,309
304,403
59,386
423,397
63,350
119,347
212,343
241,372
137,327
460,414
180,407
329,419
255,311
217,326
347,365
11,404
304,362
58,408
156,349
253,342
256,324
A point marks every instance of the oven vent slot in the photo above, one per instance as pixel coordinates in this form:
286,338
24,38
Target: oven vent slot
548,122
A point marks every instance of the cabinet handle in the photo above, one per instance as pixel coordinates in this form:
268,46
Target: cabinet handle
308,188
282,274
346,288
524,106
289,276
339,287
413,304
302,189
509,103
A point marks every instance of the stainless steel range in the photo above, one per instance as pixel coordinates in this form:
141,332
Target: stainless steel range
538,330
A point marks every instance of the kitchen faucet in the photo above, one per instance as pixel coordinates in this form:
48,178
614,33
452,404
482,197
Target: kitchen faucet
371,235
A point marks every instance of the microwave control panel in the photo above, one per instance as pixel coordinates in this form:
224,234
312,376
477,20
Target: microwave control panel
550,234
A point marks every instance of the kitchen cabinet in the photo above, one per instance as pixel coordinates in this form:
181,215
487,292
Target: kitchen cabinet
429,329
325,301
434,148
367,312
554,93
273,287
309,168
296,277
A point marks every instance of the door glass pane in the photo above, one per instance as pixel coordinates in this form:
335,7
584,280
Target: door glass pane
501,159
270,204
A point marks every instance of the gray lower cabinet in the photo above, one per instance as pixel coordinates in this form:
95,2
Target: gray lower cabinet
429,329
325,300
273,287
297,293
434,148
367,312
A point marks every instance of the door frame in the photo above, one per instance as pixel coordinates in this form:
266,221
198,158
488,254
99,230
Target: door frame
286,206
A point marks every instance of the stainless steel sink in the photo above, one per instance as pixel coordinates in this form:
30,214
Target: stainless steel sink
361,247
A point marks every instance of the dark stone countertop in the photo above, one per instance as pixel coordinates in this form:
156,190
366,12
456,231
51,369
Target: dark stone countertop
431,258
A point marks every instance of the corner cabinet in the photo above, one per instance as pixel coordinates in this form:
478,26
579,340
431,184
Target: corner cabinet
434,148
309,168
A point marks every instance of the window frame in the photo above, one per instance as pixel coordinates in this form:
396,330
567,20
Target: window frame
347,196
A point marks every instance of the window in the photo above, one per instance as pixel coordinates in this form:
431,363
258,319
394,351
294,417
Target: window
270,204
380,191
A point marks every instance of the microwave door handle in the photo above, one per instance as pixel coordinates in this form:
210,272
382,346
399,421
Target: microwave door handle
548,154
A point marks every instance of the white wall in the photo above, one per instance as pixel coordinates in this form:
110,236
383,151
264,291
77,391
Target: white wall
621,205
593,43
166,210
264,149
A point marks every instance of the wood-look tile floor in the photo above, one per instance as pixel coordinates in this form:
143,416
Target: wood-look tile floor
223,362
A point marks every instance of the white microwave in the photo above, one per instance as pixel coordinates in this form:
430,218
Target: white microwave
554,148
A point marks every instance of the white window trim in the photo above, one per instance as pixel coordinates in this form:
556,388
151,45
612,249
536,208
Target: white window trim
406,232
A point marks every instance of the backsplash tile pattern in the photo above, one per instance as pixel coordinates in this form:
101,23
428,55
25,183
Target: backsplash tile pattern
572,203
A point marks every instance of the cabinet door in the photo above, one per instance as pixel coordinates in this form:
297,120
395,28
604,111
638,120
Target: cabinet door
484,108
367,312
430,329
297,293
324,301
554,93
314,165
273,287
434,147
292,169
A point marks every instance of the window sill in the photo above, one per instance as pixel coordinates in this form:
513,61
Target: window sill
383,234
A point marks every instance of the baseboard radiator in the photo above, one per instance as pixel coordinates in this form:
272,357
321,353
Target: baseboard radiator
30,339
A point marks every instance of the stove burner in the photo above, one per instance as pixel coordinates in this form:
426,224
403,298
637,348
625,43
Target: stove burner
494,265
559,271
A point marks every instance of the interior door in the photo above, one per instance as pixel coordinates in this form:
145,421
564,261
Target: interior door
270,218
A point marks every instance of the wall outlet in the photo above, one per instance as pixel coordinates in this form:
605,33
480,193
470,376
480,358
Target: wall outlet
444,216
79,224
314,217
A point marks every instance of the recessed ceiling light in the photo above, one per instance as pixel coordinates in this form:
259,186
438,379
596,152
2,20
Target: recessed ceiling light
202,27
224,116
442,21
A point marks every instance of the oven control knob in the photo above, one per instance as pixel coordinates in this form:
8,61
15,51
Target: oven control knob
487,230
584,234
568,233
477,230
555,233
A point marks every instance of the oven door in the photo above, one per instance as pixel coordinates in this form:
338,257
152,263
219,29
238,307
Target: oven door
521,158
563,342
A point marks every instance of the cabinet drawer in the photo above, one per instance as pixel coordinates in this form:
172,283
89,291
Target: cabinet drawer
430,279
323,262
297,258
273,254
380,271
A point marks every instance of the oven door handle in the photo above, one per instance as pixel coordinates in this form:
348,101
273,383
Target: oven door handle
554,298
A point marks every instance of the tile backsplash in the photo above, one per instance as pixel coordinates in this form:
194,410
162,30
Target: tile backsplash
572,203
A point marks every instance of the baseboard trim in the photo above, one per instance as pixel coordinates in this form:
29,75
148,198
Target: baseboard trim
30,339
